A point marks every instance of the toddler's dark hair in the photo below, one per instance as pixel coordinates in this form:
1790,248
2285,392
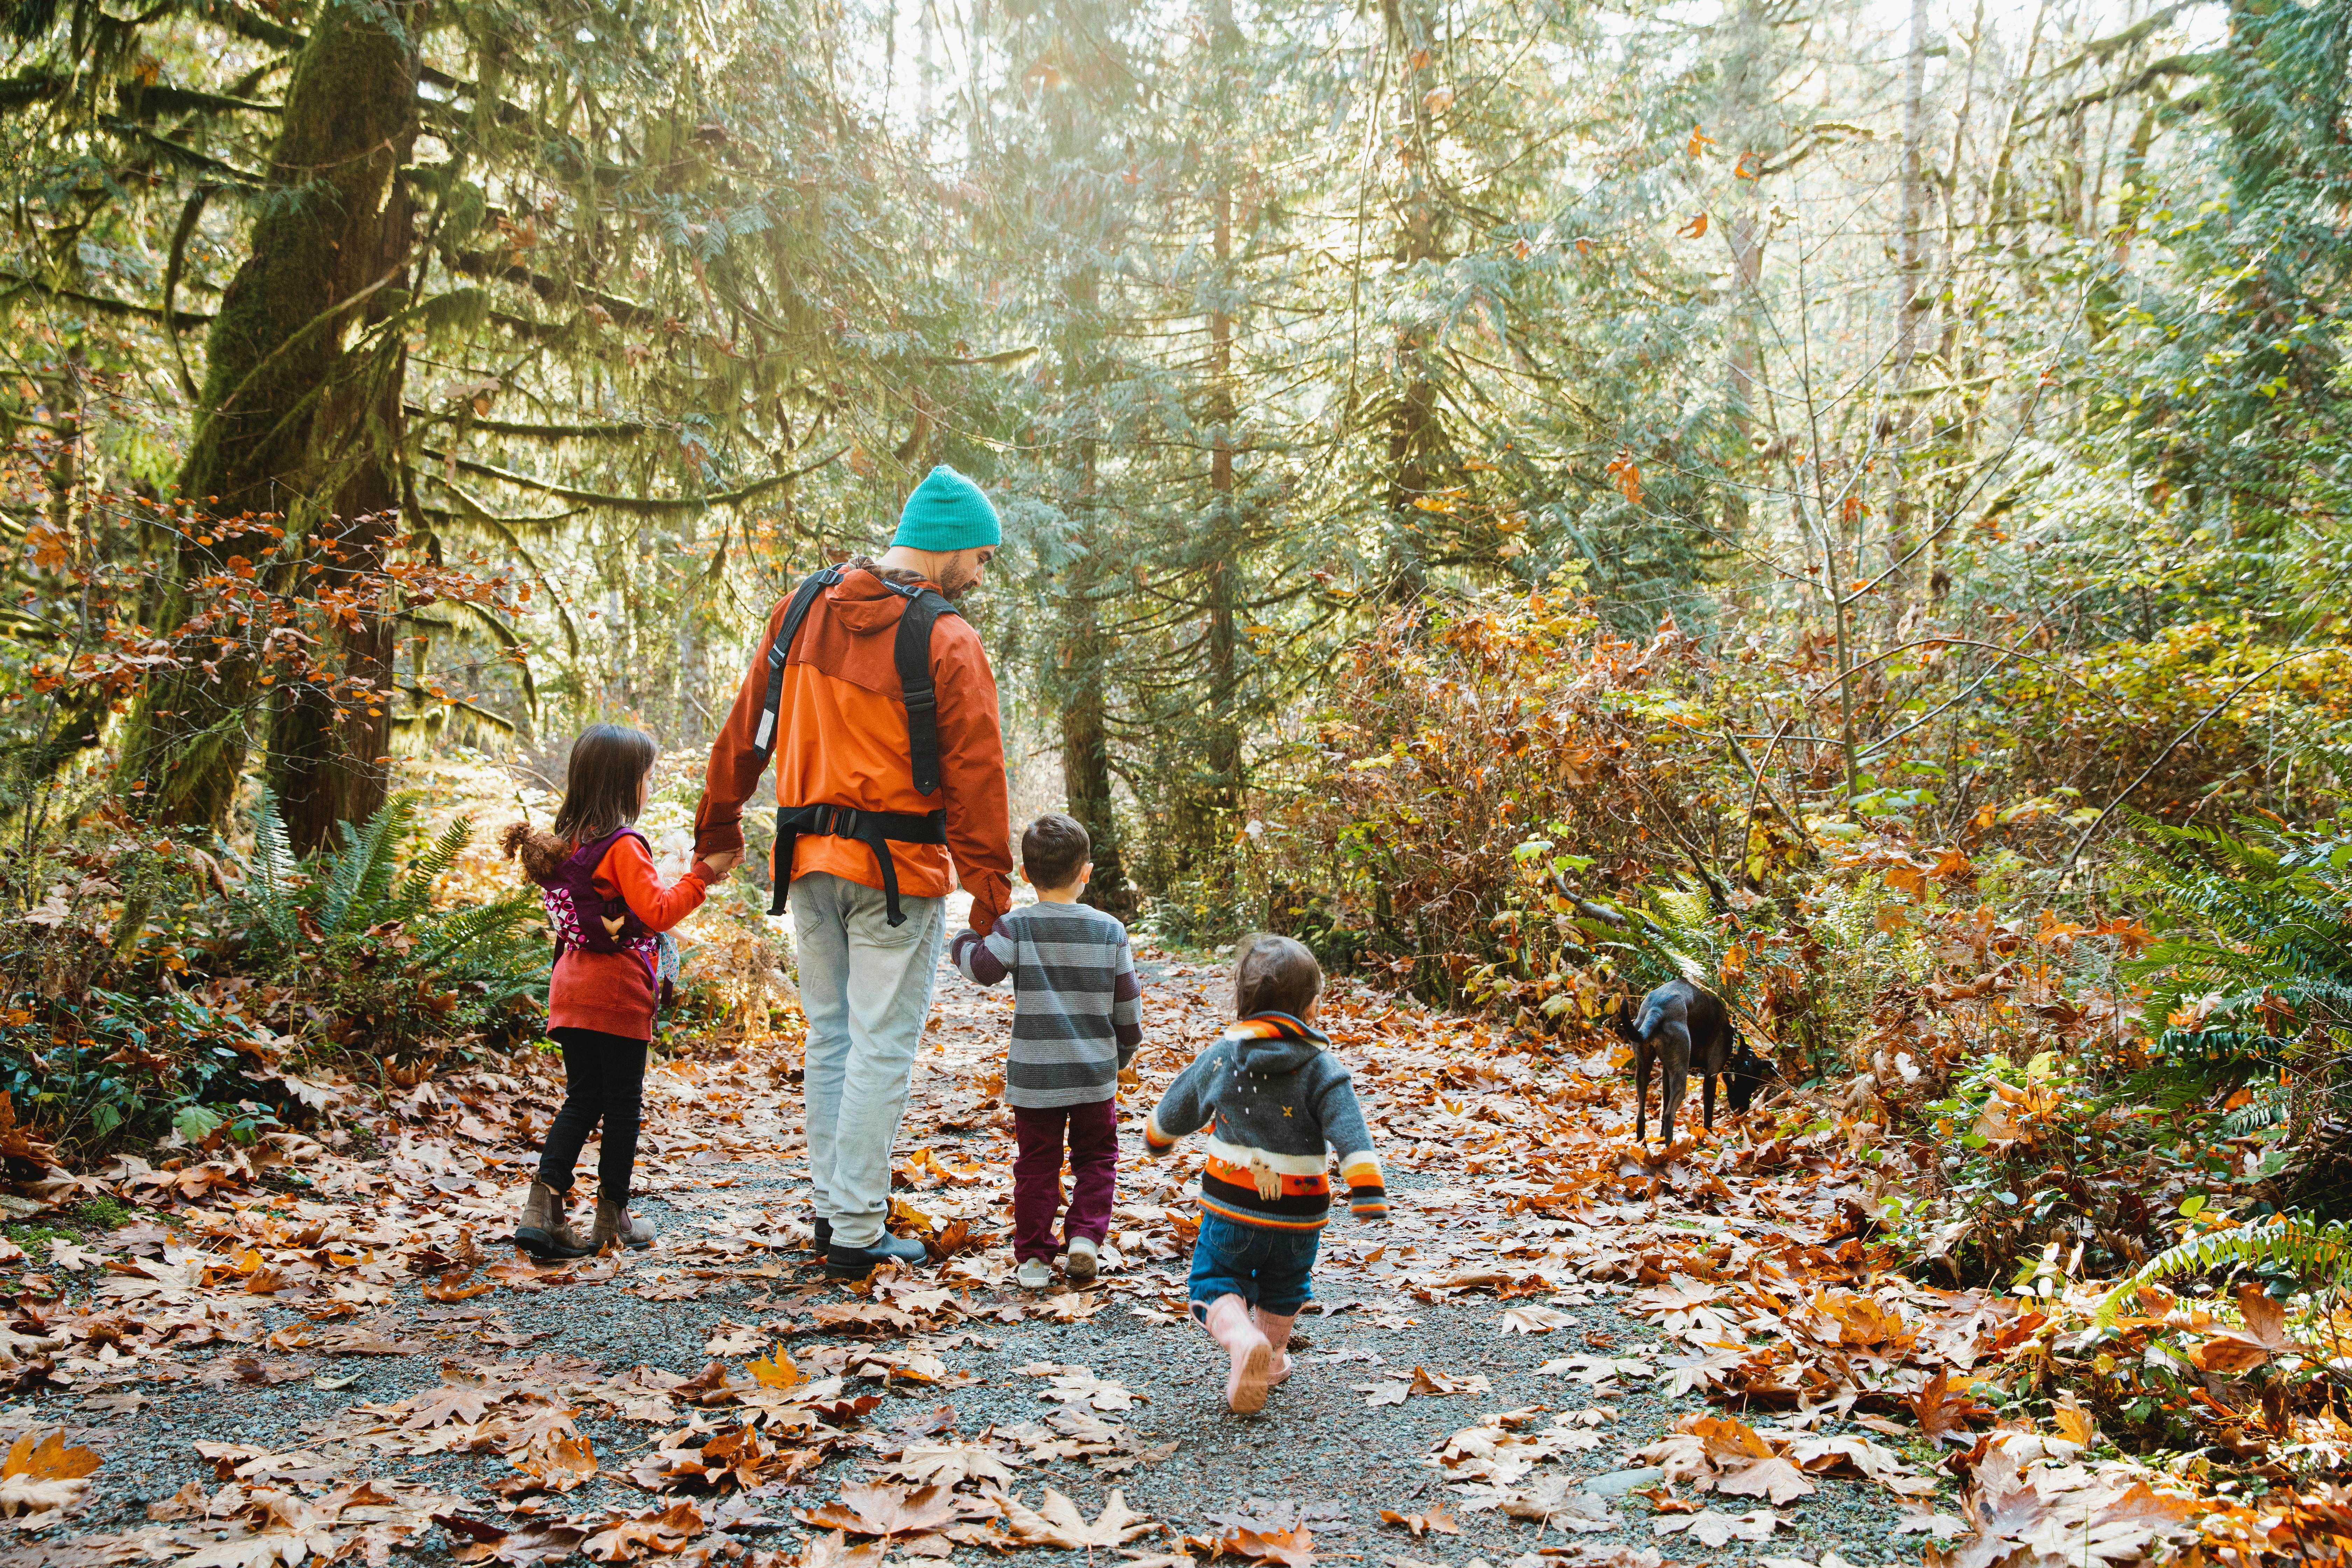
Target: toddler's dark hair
1273,975
600,781
1053,847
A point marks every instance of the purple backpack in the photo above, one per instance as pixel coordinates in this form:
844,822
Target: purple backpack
585,919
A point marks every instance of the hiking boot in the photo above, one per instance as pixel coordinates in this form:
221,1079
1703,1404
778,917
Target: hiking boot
543,1231
856,1262
1034,1274
1082,1261
820,1242
615,1224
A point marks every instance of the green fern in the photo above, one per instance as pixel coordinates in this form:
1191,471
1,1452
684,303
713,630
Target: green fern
2290,1238
356,928
416,894
358,882
2271,1104
272,878
2262,926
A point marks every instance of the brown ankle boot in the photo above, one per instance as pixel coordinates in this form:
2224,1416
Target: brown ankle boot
614,1224
543,1232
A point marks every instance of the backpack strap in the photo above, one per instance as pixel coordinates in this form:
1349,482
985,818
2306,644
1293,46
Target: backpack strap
780,650
912,651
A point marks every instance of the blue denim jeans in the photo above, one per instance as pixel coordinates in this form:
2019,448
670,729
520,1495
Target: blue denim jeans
866,987
1268,1269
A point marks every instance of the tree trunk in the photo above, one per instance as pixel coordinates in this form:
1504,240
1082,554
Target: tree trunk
328,747
1224,753
1747,81
1414,433
1911,264
1085,759
274,388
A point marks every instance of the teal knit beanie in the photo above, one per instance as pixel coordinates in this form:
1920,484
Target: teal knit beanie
946,514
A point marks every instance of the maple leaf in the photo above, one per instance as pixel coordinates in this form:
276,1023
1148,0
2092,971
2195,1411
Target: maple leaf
1533,1319
450,1402
1944,1412
35,1501
1293,1548
1707,1366
1056,1521
1775,1480
662,1533
1711,1529
49,1459
776,1370
953,1464
2240,1350
1420,1524
834,1551
1593,1370
877,1508
533,1542
1076,1386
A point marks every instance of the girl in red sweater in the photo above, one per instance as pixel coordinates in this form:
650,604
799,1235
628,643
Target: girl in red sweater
609,909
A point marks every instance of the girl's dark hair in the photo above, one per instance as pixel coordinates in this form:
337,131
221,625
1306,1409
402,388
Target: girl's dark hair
1273,975
600,781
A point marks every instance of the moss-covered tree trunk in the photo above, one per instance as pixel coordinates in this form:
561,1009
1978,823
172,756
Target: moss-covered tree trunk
327,743
267,452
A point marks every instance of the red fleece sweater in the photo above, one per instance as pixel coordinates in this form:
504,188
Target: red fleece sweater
610,992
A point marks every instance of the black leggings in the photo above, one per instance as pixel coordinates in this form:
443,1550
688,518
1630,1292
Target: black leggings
604,1079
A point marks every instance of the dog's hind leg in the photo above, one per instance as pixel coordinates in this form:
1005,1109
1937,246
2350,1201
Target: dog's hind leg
1706,1098
1673,1044
1642,1052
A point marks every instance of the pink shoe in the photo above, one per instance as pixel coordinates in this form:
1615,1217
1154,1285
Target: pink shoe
1277,1335
1245,1384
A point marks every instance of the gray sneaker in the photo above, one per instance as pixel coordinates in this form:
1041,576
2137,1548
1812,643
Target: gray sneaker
1082,1261
1034,1274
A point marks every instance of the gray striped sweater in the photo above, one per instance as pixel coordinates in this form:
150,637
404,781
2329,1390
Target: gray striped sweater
1078,1012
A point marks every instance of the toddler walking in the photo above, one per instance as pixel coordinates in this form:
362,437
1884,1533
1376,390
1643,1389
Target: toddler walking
1078,1018
608,909
1272,1096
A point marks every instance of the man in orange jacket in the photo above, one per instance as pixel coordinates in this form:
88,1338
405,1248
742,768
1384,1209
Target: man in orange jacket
889,771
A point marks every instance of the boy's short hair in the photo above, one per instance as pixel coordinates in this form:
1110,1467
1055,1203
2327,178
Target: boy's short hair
1053,847
1273,975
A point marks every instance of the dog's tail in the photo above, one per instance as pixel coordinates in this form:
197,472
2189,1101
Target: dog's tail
1647,1024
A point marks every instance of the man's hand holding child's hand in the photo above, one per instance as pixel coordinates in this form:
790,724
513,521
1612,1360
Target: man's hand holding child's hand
716,867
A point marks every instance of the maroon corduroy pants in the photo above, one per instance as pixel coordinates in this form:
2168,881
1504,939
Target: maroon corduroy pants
1092,1139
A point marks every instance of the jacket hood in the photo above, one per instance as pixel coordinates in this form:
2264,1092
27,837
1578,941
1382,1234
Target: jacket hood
1291,1045
864,604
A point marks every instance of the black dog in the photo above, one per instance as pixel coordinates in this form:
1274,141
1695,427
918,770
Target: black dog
1688,1030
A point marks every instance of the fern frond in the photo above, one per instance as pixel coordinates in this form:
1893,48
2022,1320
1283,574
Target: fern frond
358,884
416,894
2290,1238
270,883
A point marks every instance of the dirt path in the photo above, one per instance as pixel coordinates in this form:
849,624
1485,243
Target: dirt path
334,1352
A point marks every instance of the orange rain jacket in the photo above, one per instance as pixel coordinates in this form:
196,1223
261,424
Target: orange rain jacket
841,741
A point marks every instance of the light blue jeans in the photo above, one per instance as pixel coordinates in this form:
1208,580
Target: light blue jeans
865,988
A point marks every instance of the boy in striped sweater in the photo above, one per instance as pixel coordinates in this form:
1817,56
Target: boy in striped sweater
1273,1097
1078,1018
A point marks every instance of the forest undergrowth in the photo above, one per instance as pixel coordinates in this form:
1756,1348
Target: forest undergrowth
1979,1269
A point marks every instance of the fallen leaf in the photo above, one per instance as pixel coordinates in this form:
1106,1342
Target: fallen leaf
1056,1521
1420,1524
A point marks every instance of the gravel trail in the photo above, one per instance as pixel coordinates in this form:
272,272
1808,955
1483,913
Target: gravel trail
281,1388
